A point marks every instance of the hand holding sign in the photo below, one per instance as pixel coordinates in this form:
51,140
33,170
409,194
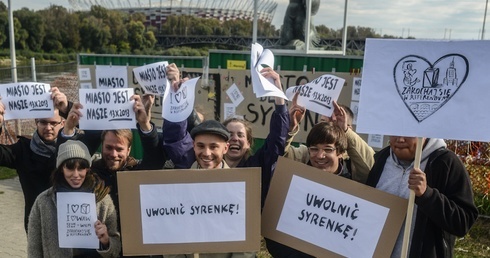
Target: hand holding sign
319,94
59,99
141,115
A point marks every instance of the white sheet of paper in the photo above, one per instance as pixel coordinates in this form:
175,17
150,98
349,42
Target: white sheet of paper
85,85
356,88
152,78
319,94
354,106
330,219
111,76
262,87
177,106
375,140
77,214
235,95
26,100
230,110
107,109
84,74
422,88
197,212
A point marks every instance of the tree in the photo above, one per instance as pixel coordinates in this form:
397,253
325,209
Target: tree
96,35
4,27
33,24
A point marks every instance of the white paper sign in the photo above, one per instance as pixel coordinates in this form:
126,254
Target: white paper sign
263,87
354,106
26,100
85,85
420,88
319,94
356,88
230,110
84,74
235,95
177,106
107,109
152,78
375,140
331,219
197,212
111,77
77,214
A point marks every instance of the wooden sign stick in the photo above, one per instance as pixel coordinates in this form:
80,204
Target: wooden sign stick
411,201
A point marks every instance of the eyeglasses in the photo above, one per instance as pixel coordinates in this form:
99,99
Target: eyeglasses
46,123
315,150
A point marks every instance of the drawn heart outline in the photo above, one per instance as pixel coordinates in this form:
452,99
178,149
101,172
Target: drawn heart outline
418,82
74,208
178,97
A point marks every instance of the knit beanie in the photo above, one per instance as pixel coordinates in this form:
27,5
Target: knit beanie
73,149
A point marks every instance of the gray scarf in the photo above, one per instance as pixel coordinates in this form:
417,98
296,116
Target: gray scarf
38,146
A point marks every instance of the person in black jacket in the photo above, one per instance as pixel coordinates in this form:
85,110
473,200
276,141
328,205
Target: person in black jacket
34,159
444,205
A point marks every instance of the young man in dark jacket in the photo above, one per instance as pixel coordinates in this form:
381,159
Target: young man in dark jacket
444,206
34,159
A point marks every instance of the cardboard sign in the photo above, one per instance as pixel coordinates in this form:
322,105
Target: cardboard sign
77,214
152,78
26,100
111,77
432,89
190,211
319,94
107,109
326,215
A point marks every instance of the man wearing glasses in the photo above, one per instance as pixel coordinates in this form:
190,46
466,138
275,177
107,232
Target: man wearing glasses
34,159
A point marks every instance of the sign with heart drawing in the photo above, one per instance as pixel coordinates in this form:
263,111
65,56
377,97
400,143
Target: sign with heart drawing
420,88
425,87
178,105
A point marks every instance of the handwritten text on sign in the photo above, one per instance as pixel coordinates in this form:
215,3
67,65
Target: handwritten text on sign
76,219
26,100
217,216
107,109
152,78
331,219
177,106
111,77
319,94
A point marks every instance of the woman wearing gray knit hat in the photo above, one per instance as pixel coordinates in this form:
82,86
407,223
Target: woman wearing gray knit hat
72,174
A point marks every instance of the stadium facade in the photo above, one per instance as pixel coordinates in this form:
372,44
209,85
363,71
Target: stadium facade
157,11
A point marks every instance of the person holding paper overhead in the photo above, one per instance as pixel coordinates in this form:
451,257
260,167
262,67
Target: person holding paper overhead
241,139
72,174
34,159
444,206
358,157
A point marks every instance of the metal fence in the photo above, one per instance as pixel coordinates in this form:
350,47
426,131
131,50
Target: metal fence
45,73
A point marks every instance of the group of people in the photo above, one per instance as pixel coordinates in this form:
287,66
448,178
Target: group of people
58,158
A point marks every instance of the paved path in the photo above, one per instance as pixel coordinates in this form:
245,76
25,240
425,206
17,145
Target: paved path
13,241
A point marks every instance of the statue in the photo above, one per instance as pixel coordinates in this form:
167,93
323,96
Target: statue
293,28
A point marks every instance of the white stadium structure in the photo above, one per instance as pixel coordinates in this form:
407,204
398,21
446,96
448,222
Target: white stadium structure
156,11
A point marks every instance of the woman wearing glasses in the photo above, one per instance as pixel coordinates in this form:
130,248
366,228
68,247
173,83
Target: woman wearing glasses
326,146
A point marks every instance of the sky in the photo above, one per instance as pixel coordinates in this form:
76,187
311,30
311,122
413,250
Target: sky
422,19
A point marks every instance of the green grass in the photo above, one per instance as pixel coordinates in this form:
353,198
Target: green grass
6,173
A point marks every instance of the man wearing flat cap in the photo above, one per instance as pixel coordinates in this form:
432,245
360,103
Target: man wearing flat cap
210,145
